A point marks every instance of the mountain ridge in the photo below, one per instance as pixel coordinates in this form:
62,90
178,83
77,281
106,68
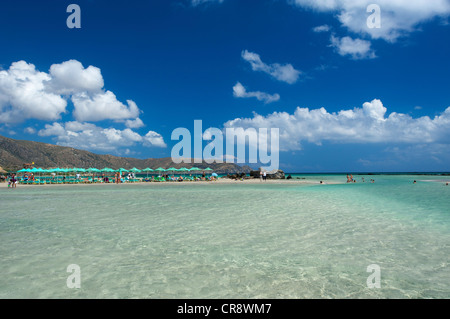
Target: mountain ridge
15,153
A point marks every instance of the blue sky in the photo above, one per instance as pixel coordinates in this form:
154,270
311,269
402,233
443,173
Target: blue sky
345,97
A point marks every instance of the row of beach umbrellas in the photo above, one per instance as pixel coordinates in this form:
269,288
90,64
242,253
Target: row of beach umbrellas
110,170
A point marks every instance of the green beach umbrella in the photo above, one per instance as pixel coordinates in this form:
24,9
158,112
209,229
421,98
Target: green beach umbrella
160,169
172,169
23,170
148,169
135,170
194,169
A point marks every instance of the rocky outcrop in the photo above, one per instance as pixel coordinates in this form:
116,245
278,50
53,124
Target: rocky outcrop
275,174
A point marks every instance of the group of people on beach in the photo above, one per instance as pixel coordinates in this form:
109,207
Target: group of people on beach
350,179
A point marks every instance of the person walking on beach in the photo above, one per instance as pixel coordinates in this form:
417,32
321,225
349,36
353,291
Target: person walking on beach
13,181
265,176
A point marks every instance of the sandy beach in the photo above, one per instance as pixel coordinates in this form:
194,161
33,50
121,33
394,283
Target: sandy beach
219,181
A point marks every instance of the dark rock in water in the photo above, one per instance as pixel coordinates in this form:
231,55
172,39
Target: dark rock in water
255,174
275,174
279,174
289,177
237,176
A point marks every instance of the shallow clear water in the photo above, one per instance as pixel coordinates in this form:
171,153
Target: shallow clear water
211,240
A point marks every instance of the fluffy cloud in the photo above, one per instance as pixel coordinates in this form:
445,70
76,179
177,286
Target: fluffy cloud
71,77
368,124
398,17
30,130
285,73
24,94
102,106
356,48
92,137
136,123
240,92
154,139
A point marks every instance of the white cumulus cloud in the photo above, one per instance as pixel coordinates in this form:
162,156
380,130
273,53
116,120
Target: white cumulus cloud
240,92
92,137
24,95
102,106
356,48
368,124
285,73
398,17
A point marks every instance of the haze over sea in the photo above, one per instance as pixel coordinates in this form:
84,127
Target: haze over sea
229,240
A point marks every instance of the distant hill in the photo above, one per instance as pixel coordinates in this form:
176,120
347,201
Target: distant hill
15,153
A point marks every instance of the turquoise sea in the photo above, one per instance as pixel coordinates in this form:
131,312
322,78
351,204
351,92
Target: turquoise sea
229,240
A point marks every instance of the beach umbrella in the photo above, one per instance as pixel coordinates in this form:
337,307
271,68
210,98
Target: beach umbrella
208,169
194,169
40,170
148,169
172,169
23,170
184,170
160,169
135,170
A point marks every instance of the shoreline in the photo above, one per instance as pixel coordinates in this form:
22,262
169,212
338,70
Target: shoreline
219,181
